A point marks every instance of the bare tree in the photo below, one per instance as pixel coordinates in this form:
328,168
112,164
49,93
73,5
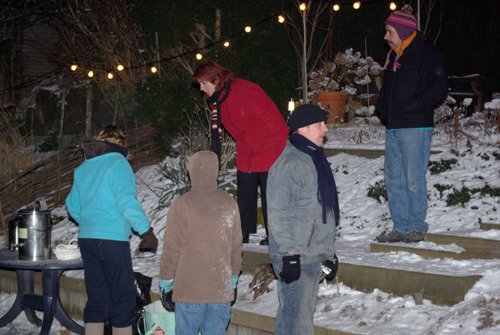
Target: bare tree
428,12
309,31
99,42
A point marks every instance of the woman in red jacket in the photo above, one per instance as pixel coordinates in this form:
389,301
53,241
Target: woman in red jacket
258,128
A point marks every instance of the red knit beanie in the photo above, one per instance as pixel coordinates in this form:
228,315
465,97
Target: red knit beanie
403,21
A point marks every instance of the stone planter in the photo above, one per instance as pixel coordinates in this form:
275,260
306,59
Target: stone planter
334,102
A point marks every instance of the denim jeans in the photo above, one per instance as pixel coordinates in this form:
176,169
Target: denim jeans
211,319
297,301
407,153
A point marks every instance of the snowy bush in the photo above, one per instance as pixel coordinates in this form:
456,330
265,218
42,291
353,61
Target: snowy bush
347,73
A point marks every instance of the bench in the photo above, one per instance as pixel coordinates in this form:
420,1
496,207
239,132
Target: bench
468,86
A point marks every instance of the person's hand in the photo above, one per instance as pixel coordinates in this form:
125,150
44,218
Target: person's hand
166,290
235,287
330,267
149,242
291,269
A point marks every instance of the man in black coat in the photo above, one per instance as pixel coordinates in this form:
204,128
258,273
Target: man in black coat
415,83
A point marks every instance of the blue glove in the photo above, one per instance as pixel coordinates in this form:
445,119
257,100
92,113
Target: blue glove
166,290
235,281
235,287
166,285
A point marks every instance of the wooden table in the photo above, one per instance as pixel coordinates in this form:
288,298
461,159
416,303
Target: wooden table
49,302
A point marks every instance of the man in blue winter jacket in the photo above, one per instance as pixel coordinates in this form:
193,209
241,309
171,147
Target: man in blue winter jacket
415,83
103,203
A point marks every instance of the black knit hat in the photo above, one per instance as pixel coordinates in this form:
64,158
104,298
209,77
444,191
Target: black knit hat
305,115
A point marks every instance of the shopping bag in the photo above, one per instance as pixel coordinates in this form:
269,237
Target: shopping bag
156,320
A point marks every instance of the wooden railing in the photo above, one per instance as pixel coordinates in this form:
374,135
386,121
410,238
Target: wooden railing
469,86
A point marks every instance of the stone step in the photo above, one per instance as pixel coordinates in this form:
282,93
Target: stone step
475,247
489,226
441,289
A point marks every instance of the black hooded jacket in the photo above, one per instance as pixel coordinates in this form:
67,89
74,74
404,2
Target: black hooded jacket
409,95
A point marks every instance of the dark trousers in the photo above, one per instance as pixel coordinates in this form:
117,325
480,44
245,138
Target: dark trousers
109,280
248,184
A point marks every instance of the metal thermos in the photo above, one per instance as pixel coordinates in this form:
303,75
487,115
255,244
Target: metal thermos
30,233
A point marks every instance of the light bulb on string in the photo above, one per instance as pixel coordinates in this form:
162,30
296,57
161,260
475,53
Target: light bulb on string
291,105
90,74
248,29
199,56
226,44
74,67
154,69
120,67
303,6
356,5
336,7
393,6
110,75
281,19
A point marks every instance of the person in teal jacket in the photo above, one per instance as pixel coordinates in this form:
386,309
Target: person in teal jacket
103,202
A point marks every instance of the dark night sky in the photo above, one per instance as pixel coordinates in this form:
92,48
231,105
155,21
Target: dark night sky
469,38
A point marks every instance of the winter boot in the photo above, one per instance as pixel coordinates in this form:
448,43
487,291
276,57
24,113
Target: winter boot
94,328
122,331
393,236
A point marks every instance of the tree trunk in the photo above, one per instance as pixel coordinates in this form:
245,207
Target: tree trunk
61,121
88,112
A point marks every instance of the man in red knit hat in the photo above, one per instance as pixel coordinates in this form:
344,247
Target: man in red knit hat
415,83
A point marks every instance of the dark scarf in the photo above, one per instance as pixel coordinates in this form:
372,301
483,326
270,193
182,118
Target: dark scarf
327,190
216,101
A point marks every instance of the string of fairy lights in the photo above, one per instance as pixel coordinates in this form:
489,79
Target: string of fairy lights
154,66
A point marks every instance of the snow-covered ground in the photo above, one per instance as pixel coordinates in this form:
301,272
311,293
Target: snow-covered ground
341,307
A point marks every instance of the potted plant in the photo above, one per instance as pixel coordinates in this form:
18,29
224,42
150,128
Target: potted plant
336,80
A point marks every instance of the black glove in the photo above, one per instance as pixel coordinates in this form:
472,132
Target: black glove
291,269
166,301
235,296
330,267
149,241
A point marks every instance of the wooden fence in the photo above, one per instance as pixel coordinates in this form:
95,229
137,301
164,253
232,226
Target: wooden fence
51,179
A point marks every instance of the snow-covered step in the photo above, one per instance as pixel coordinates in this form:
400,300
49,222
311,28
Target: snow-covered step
424,249
369,272
366,153
475,247
356,151
445,246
